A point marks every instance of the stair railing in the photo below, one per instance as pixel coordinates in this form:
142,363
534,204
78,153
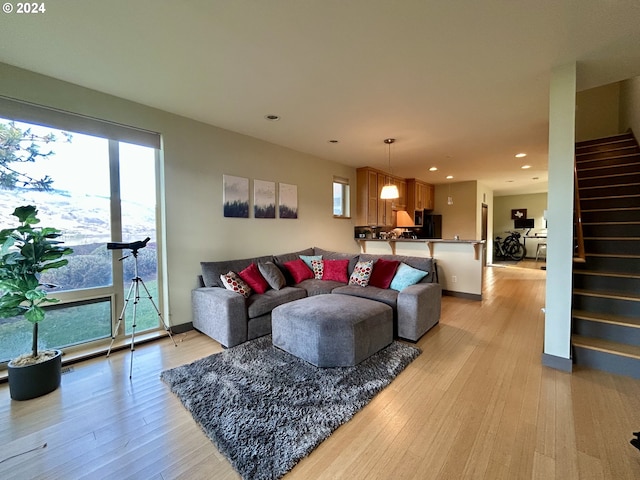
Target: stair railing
579,253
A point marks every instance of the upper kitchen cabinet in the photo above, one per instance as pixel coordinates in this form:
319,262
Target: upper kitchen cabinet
370,208
420,195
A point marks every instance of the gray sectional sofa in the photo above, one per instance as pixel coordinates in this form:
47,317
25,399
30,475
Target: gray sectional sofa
232,319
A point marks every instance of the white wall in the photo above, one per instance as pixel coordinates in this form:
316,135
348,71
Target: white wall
630,106
461,217
597,112
534,203
557,335
196,156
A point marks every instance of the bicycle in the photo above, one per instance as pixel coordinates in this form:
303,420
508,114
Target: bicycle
510,247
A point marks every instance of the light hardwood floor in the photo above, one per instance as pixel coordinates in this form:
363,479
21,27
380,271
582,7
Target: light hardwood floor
477,404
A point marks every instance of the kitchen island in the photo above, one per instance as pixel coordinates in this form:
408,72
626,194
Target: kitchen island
459,263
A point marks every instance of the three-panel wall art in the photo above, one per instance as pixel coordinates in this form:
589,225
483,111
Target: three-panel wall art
236,198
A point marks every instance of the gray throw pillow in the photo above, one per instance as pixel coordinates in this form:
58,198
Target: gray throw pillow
272,275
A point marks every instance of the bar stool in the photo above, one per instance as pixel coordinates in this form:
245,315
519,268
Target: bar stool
541,246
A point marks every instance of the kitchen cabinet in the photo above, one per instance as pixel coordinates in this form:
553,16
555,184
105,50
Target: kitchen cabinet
420,195
370,208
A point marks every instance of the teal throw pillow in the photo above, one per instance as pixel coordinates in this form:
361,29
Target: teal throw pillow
405,276
310,258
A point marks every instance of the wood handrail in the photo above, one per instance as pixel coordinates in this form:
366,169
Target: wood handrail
579,254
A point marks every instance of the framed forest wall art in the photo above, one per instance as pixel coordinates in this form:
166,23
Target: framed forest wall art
288,200
236,196
264,199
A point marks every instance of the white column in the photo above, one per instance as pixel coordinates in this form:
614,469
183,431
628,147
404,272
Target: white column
557,339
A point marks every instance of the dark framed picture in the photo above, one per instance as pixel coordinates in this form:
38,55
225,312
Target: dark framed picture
519,214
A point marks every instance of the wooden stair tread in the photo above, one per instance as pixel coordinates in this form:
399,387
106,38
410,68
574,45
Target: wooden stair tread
611,185
606,346
611,318
599,273
605,294
610,139
613,238
633,222
606,175
615,153
587,165
614,255
609,197
626,209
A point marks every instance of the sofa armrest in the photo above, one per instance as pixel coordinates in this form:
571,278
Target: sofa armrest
220,314
418,309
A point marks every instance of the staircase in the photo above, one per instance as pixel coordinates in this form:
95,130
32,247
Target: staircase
606,286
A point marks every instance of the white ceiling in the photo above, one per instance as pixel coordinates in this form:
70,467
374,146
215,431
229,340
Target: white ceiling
461,84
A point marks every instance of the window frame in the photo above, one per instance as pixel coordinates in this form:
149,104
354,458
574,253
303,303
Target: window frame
345,197
114,133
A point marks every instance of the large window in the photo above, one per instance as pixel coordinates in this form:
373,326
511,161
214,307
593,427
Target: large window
96,188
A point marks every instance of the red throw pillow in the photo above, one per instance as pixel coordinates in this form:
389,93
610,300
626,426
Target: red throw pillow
336,270
383,272
252,276
298,270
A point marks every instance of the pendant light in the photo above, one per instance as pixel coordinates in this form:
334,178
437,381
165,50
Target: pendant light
389,191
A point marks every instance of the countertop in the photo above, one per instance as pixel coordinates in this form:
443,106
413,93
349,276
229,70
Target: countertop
420,240
429,242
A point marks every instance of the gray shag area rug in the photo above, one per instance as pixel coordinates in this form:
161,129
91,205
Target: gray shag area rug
266,409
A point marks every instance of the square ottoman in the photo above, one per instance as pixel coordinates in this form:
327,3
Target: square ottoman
332,330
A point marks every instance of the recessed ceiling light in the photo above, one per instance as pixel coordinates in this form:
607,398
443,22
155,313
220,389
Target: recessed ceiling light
509,181
449,177
521,155
524,167
272,118
433,169
333,141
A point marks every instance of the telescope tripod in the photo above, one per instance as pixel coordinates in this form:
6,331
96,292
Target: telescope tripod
134,294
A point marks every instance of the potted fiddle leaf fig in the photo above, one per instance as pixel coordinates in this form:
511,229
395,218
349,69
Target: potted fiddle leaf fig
26,251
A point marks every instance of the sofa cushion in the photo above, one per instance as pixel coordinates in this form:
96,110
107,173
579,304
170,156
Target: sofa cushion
318,287
287,257
281,259
405,276
336,270
318,269
298,270
361,273
384,295
234,283
421,263
273,275
383,272
263,303
329,255
211,271
252,277
310,258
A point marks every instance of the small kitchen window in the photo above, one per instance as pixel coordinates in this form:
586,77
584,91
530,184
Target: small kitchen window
341,201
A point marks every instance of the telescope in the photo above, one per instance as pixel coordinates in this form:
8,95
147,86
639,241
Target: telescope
134,294
135,246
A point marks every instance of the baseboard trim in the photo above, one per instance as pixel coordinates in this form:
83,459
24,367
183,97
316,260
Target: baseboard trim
470,296
557,363
182,328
